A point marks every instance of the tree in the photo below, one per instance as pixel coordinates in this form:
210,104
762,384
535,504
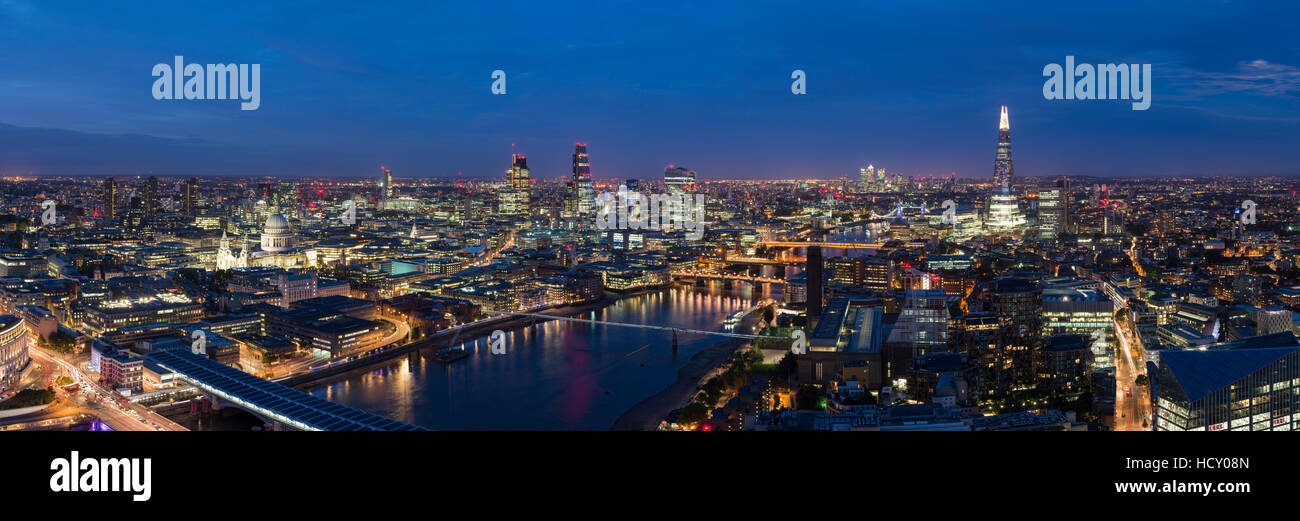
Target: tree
1142,380
769,314
28,398
809,398
712,391
784,370
694,413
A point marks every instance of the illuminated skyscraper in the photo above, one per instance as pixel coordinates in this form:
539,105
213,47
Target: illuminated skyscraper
191,194
679,180
581,196
1054,210
922,324
151,196
1004,214
1003,171
867,178
1004,208
515,199
110,198
386,184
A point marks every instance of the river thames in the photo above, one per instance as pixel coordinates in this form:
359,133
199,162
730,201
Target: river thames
555,375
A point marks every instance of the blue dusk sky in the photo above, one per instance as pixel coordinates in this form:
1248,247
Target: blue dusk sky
914,87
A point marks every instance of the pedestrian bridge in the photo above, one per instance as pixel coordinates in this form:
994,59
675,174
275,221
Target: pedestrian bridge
271,400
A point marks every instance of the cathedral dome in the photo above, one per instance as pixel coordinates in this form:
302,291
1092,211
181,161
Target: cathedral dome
276,223
276,234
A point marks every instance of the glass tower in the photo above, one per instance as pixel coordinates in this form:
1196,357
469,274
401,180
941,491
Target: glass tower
679,180
581,195
110,198
515,198
1002,166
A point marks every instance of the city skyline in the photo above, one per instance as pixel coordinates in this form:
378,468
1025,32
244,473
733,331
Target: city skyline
463,220
915,95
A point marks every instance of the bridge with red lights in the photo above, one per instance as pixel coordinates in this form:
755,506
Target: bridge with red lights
805,244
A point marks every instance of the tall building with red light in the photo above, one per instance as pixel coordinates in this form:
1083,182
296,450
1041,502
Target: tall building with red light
386,184
678,180
515,199
1003,171
110,199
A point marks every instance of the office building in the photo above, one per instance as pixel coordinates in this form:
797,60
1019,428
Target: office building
110,199
119,370
515,199
1054,210
191,196
678,180
386,183
862,272
1003,169
1248,385
151,203
13,350
581,197
920,329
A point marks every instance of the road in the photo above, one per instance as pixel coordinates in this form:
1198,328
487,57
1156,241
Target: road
1130,411
119,413
401,331
490,254
1137,265
299,365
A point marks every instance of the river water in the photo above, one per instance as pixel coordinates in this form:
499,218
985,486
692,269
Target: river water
555,375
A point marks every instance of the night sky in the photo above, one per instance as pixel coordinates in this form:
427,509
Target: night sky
912,86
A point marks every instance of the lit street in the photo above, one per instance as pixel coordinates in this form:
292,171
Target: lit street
1130,411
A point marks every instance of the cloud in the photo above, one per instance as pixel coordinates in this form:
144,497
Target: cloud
1253,77
53,151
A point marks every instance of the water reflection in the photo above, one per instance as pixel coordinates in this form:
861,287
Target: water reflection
555,374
